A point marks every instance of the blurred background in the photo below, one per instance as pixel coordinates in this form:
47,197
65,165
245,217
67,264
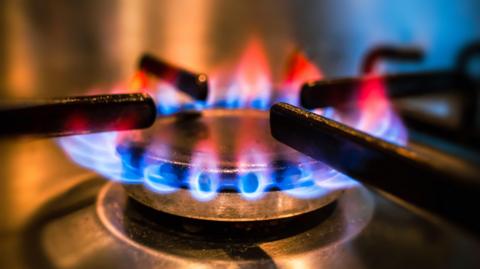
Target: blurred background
57,48
54,48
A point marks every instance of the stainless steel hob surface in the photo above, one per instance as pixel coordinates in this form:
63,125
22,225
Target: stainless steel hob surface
65,217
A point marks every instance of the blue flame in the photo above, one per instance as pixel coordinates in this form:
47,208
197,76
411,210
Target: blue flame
204,186
103,154
160,180
252,185
114,160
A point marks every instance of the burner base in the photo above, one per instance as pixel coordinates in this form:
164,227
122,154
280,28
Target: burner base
230,206
177,242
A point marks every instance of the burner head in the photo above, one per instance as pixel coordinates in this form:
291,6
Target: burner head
229,206
224,165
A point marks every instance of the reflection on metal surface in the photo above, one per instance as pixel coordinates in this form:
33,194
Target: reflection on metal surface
20,75
187,22
26,183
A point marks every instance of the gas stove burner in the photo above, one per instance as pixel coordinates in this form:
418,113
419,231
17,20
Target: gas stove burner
224,165
220,162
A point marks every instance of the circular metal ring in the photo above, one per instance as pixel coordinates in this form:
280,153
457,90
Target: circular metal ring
230,206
